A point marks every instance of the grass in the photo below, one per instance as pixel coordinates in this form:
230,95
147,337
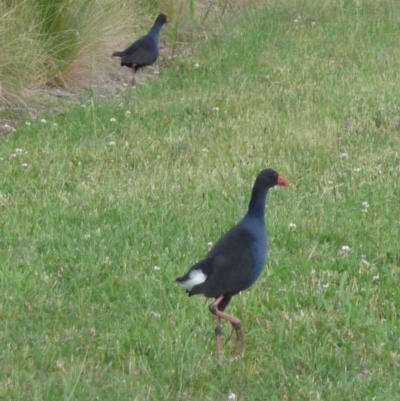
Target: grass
58,43
85,314
65,43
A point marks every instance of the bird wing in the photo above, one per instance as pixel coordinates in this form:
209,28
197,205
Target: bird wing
143,51
231,266
234,260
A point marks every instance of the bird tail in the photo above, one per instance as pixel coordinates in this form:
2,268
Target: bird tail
117,54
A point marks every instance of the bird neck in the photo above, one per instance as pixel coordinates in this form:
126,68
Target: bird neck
257,203
155,30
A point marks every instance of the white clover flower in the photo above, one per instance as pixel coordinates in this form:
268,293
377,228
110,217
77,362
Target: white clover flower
27,123
215,110
313,23
124,84
127,113
325,286
357,169
345,248
156,268
55,125
210,244
155,314
344,155
292,226
24,165
83,106
13,156
43,121
197,65
1,158
375,278
112,143
365,204
113,120
330,182
232,396
18,151
6,126
295,20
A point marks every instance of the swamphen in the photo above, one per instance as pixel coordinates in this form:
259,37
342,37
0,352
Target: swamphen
234,263
145,50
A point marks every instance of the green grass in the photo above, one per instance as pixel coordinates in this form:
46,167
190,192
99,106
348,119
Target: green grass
85,315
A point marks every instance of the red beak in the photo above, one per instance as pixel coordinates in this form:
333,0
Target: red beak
282,181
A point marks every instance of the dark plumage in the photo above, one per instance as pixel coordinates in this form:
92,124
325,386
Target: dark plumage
234,263
145,50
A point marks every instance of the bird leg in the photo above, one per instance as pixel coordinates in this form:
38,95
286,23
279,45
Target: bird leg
236,325
133,77
218,332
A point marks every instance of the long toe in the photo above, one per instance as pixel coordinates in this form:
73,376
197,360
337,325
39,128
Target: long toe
229,335
239,345
238,349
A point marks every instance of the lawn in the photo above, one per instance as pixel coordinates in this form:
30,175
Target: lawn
104,204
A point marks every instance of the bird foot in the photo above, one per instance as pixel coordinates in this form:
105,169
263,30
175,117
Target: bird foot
239,344
238,328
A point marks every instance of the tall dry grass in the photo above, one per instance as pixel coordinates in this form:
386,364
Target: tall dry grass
57,42
66,42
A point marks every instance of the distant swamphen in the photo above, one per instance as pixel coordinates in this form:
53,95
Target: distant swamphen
145,50
234,263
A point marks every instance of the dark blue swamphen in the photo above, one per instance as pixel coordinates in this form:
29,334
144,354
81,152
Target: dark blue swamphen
145,50
234,263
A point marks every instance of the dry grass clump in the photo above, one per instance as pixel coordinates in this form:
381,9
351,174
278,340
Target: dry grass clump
57,42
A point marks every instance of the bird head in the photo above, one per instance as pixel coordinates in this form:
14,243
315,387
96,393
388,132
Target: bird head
268,178
162,19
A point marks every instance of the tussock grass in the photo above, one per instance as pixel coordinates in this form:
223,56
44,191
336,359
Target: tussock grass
101,203
56,43
68,43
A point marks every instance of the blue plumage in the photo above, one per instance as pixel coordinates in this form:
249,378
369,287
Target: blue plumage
236,261
145,50
256,226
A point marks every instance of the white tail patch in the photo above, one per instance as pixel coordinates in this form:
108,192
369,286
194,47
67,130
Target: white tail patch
195,277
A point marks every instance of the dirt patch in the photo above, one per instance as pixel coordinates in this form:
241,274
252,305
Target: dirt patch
98,74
